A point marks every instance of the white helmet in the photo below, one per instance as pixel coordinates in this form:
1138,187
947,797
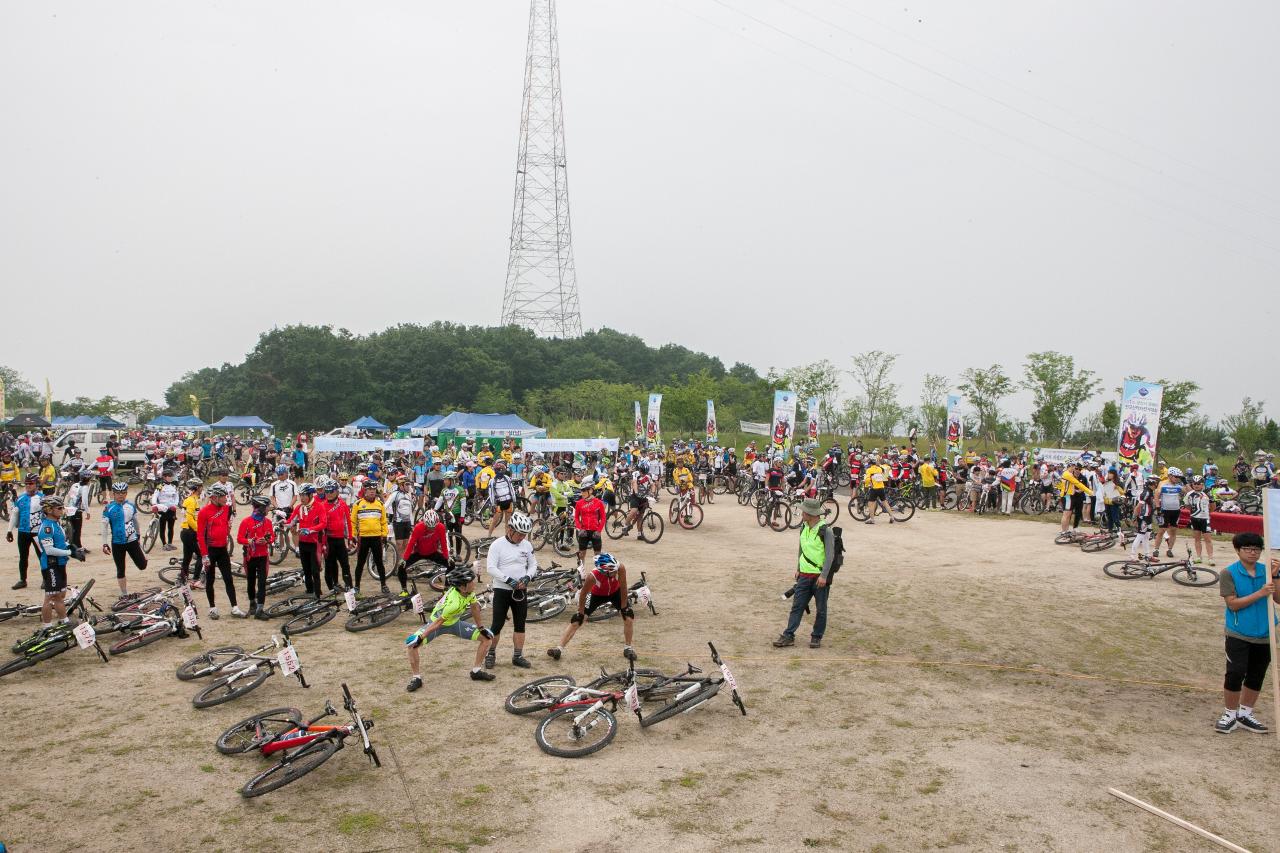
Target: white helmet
521,523
430,518
1175,472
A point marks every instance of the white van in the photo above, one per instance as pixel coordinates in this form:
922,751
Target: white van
91,442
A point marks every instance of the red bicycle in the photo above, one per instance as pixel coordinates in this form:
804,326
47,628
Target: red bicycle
304,745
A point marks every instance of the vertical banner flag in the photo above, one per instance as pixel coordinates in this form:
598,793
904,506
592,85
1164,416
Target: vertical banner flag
653,427
713,434
814,412
955,426
2,409
1140,405
639,423
784,419
48,401
195,405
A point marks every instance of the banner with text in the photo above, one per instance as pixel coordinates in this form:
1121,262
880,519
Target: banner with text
713,434
639,423
338,444
753,428
569,445
1140,404
814,411
955,425
653,426
784,420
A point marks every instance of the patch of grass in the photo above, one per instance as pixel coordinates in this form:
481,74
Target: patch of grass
815,842
932,787
280,818
207,768
691,780
482,789
359,822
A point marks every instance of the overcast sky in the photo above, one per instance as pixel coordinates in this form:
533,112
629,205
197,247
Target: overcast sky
771,181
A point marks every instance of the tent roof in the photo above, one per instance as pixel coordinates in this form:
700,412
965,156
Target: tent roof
491,423
367,422
242,422
422,422
27,421
189,422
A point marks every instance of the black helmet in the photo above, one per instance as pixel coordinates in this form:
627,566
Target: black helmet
260,501
459,577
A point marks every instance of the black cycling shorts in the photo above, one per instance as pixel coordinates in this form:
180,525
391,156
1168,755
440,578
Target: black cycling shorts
401,529
589,539
54,578
503,506
1200,524
1169,517
638,502
595,602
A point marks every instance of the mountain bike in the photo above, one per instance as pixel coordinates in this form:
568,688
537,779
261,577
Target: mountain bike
773,511
386,608
684,510
302,746
639,593
1185,571
239,672
49,643
78,601
1104,539
863,505
650,525
145,627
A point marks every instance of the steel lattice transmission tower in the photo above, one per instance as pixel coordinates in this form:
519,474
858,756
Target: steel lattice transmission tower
542,286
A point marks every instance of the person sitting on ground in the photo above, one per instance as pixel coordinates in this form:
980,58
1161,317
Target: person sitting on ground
446,618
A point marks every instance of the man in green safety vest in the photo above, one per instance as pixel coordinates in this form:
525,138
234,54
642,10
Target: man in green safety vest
813,575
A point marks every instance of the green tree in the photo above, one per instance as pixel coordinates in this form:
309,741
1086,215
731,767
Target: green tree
871,371
1058,390
1110,417
1246,428
933,404
984,389
18,392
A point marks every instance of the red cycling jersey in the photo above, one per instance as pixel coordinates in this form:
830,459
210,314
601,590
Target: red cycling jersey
312,518
424,541
605,585
213,527
588,514
260,529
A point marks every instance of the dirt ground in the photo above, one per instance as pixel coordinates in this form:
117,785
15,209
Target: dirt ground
978,688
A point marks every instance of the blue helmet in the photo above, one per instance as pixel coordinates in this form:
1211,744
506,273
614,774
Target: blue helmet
606,563
282,469
307,489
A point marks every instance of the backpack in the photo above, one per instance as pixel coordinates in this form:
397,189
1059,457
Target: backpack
837,557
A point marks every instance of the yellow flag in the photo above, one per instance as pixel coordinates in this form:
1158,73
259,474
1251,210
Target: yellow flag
48,401
3,416
195,404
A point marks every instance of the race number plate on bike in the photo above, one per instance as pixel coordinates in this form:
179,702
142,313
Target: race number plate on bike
728,677
633,698
416,601
189,616
350,597
643,596
288,660
85,635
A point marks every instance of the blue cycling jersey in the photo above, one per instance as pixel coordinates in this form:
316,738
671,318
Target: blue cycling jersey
53,541
121,519
29,512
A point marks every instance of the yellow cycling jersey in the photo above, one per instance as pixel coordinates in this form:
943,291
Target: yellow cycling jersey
10,472
369,518
48,477
190,509
540,483
483,478
603,485
683,477
875,477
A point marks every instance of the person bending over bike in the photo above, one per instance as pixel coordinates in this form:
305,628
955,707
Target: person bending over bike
511,566
605,584
446,618
428,541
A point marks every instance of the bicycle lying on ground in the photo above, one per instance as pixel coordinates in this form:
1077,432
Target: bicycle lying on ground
50,642
1185,571
239,672
304,746
639,593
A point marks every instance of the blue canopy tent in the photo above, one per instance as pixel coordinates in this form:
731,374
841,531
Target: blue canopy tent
468,423
186,423
242,422
421,424
108,422
367,422
86,421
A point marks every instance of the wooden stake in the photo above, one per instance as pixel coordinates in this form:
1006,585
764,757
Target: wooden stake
1190,827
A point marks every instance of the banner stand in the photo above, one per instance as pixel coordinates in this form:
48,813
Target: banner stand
1270,528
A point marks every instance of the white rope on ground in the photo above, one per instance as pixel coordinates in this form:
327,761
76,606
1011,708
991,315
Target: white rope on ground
1177,821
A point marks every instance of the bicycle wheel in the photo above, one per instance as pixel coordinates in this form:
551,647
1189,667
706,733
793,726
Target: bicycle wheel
292,768
143,501
830,511
234,685
796,517
149,538
290,606
1066,537
203,665
16,665
691,517
170,574
538,695
278,548
762,516
651,527
254,731
390,558
373,618
561,735
564,543
614,522
842,479
243,494
546,607
780,520
606,611
1195,576
142,638
310,620
459,547
1094,544
1127,570
682,701
858,509
901,510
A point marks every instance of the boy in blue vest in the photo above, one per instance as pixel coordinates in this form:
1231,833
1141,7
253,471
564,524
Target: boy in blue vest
1244,587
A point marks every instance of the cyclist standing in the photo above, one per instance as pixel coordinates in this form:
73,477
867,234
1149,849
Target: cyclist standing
369,521
1169,493
213,536
504,495
310,518
54,550
187,534
511,565
284,494
1197,501
254,535
813,575
399,507
77,506
120,533
588,521
337,531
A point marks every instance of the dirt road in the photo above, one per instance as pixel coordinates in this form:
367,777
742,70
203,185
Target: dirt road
978,688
